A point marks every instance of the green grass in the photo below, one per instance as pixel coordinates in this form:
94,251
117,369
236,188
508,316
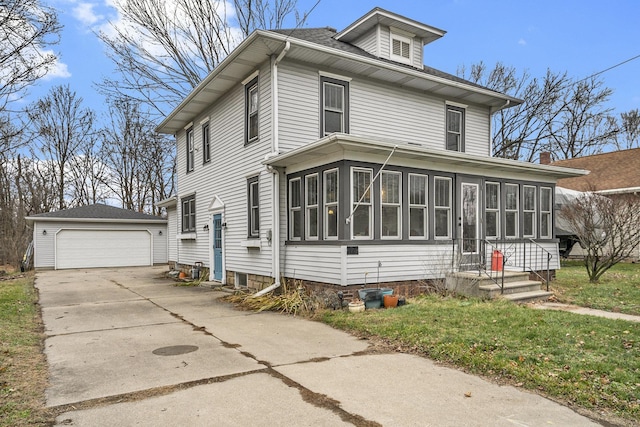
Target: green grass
583,360
23,370
618,289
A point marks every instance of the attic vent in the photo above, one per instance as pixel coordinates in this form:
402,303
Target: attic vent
401,48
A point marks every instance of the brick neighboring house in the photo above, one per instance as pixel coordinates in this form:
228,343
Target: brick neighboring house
612,174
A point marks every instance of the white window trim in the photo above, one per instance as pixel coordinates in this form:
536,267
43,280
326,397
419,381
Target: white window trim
398,206
516,211
447,208
548,232
496,210
424,207
325,205
309,206
293,209
394,34
368,204
532,212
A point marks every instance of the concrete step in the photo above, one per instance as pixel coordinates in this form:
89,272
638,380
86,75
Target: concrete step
511,287
524,297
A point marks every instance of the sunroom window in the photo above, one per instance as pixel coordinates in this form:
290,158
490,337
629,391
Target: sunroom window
511,203
361,203
390,188
295,210
442,207
311,203
529,211
492,210
418,206
331,206
545,212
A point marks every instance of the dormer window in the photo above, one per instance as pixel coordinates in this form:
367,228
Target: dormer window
400,48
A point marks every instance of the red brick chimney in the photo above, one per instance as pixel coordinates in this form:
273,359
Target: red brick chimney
545,158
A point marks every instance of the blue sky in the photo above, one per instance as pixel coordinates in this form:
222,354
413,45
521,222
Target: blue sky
579,37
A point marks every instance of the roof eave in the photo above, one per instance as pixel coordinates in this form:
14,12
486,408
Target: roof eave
31,219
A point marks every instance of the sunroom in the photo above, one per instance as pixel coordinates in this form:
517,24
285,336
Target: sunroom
361,210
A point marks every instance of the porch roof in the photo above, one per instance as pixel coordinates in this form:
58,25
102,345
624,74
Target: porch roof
339,146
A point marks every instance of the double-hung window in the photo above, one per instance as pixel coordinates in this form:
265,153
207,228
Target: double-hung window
330,187
189,214
251,111
295,209
206,144
253,193
442,207
545,212
190,150
455,128
529,211
390,190
492,210
361,203
311,206
334,101
418,185
511,205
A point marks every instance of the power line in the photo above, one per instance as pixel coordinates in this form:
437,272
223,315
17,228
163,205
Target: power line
608,69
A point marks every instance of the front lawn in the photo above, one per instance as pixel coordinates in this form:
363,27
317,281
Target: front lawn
583,360
618,289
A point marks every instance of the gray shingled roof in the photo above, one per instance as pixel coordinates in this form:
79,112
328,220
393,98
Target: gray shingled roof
98,212
324,37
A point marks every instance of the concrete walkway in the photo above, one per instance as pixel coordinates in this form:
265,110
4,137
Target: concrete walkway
127,347
584,310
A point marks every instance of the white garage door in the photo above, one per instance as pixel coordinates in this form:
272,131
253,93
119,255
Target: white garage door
102,248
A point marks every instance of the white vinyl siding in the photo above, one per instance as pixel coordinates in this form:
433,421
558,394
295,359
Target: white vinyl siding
231,164
369,42
375,110
45,244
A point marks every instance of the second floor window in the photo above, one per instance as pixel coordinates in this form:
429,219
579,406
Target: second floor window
334,106
206,145
190,150
455,128
251,111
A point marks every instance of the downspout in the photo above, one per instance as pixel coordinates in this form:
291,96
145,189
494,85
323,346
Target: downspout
275,147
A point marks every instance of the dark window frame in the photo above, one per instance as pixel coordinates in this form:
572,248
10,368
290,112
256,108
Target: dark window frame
206,143
253,207
248,114
345,103
191,160
452,109
188,213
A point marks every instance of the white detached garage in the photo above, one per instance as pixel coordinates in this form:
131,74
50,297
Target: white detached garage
98,236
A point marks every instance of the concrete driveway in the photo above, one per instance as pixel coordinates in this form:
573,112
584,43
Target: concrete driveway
127,347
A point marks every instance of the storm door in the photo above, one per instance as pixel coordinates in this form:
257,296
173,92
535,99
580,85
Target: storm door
217,247
469,232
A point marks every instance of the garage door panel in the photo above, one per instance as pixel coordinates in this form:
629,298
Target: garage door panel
102,248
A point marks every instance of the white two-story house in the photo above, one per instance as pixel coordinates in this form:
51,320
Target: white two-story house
339,158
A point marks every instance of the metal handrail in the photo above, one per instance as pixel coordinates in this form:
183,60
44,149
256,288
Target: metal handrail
534,271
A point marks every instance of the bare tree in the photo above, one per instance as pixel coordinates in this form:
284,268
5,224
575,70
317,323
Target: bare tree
608,229
628,130
140,162
164,49
60,127
558,115
27,29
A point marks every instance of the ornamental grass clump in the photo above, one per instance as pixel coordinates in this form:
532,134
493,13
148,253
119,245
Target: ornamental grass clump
290,299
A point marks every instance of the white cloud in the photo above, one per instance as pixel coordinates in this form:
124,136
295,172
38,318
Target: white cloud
57,70
84,12
522,42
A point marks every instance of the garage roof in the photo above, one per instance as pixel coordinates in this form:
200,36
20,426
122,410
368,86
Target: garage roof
96,213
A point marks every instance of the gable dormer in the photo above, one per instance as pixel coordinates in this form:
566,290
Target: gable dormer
391,36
